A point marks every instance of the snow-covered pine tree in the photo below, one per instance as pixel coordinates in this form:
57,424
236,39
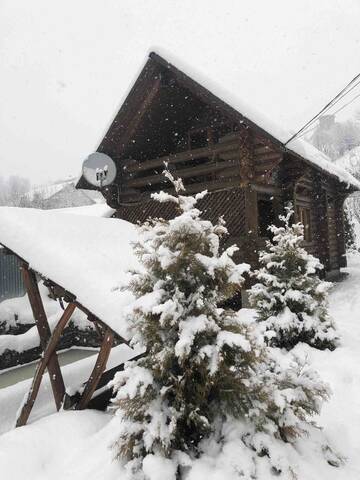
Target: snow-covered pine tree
290,298
203,366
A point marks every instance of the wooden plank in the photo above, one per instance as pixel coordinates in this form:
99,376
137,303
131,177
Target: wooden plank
102,399
37,307
98,370
263,149
339,205
207,168
44,362
187,155
138,115
321,236
270,157
251,211
94,318
98,401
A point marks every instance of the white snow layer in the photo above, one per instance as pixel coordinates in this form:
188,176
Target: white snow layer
88,256
75,374
96,210
226,88
80,448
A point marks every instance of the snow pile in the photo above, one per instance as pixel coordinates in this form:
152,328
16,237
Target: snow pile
17,311
75,374
88,256
96,210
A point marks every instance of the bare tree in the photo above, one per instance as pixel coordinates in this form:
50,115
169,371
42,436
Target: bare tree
13,189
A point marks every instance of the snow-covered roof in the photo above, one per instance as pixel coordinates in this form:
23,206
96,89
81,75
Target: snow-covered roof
88,256
226,88
95,210
48,190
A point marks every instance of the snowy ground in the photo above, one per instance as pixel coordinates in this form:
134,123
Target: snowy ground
80,447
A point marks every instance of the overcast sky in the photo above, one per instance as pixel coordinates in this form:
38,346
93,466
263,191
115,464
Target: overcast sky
66,65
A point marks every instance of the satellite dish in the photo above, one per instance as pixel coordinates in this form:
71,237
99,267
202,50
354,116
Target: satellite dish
99,169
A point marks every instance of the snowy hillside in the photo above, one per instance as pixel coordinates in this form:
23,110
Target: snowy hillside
350,161
81,447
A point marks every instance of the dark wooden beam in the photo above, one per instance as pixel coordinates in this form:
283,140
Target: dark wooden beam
42,324
340,229
211,166
139,113
94,318
98,370
321,235
184,156
44,362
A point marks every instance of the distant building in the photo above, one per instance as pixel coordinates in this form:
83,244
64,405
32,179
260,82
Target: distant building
69,196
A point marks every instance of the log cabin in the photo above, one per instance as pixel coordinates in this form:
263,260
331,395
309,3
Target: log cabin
250,169
244,162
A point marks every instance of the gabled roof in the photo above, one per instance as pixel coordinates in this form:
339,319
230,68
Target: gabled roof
228,101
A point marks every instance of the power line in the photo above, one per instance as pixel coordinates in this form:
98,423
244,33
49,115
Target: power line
346,104
332,102
337,111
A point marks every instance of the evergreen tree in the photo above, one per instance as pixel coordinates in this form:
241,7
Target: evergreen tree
203,365
290,298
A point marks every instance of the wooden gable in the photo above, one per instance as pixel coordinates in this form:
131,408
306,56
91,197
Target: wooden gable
168,117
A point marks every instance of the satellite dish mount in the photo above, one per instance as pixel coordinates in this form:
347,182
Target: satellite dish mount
99,170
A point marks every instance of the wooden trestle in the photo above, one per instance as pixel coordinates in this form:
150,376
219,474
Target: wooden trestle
49,342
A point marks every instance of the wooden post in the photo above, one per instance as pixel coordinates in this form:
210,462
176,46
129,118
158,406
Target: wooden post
44,362
98,370
340,229
37,307
321,234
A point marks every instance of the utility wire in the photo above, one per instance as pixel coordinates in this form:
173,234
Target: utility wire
332,102
346,104
337,111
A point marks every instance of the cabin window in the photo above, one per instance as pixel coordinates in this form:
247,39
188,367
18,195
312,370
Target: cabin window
304,216
199,138
266,216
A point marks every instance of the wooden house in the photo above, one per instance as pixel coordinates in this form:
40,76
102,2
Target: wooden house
250,172
245,165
